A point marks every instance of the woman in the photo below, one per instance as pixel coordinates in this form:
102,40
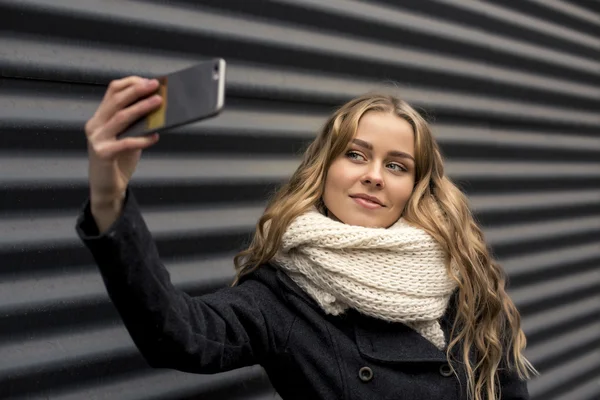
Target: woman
367,277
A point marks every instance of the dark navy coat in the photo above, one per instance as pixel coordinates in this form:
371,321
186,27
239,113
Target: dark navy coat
267,320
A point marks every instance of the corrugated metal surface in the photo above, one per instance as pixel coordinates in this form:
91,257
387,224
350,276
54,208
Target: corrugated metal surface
514,87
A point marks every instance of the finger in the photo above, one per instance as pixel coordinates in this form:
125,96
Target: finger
103,112
125,117
119,84
110,149
122,94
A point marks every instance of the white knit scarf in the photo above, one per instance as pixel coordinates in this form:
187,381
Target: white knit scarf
396,274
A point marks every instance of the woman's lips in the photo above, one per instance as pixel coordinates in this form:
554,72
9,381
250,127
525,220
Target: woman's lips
371,205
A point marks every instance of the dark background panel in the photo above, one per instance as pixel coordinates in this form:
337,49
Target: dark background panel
520,131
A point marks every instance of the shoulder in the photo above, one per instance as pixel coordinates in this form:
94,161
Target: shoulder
273,279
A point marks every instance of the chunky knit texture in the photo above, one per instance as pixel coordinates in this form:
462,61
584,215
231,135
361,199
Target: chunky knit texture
396,274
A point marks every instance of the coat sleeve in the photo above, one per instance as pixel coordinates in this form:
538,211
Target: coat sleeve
511,386
228,329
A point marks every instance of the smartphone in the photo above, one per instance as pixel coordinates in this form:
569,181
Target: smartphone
189,95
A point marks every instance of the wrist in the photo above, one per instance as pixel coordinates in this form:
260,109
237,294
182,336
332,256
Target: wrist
103,204
105,211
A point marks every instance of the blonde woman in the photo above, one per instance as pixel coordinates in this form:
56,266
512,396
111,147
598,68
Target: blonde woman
367,277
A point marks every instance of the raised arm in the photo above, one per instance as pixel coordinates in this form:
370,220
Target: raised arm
212,333
231,328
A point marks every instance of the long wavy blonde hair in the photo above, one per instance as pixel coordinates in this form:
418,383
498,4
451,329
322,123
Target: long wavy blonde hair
487,322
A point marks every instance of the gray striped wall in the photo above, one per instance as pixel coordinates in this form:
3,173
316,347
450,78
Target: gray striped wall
512,88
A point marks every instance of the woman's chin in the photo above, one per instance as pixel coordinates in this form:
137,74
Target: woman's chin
359,220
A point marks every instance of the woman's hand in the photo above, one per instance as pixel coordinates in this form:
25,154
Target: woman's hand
112,161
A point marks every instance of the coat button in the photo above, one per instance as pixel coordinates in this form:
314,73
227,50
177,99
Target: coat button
365,374
445,370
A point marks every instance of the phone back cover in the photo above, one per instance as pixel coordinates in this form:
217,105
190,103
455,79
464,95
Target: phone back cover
188,95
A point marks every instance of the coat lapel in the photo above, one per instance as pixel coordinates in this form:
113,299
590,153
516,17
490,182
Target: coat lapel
378,339
394,342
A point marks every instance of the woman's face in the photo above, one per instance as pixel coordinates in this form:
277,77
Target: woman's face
369,184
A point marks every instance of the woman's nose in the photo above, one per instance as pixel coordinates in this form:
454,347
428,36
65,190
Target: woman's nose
373,177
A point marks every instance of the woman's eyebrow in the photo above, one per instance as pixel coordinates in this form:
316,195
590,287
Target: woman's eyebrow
393,153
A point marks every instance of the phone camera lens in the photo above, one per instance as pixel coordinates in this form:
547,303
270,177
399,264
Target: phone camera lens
216,72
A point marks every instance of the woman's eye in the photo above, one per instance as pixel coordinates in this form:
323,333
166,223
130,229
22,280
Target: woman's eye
353,155
397,167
